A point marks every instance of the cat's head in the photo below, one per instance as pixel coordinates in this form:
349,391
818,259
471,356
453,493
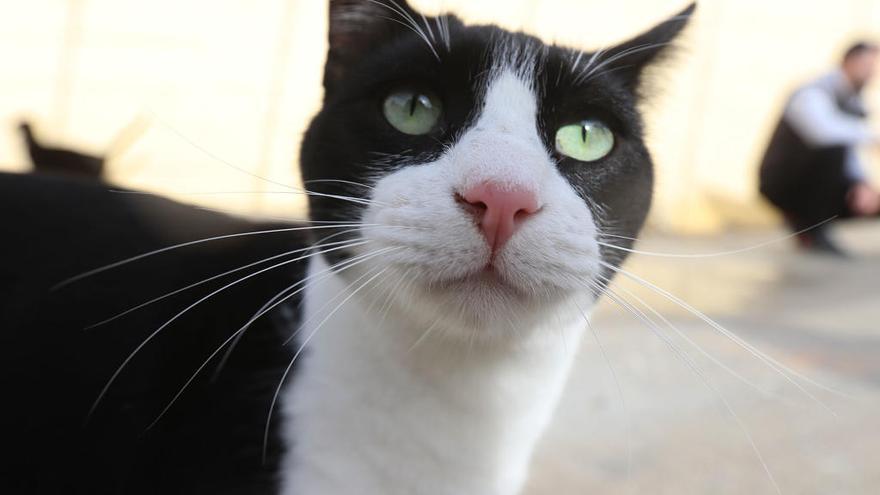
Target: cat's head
486,164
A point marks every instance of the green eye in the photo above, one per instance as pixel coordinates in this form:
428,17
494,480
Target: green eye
586,141
413,112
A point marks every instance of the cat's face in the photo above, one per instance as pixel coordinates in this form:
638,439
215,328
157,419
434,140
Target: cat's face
489,163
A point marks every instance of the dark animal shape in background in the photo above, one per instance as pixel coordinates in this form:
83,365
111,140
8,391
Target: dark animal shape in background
71,163
50,160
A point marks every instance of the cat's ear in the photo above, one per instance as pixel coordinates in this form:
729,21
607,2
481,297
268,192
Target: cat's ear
629,59
356,27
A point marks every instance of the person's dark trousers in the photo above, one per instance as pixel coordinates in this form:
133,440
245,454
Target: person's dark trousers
809,190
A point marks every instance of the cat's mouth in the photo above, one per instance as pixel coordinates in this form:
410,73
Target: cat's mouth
490,281
489,277
489,299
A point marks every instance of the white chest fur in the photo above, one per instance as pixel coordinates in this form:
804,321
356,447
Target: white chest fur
366,413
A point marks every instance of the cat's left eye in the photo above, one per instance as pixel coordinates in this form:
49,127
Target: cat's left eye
413,112
586,141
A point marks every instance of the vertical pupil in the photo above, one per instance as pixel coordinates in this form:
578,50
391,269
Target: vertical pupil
413,102
584,133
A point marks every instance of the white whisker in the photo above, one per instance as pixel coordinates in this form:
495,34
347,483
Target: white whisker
215,277
186,310
709,255
584,78
332,300
260,217
407,22
338,181
284,295
233,339
297,354
132,259
428,28
249,173
621,397
442,23
694,344
425,335
386,307
704,379
772,363
350,199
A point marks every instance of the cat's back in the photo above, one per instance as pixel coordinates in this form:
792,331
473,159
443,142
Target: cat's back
53,368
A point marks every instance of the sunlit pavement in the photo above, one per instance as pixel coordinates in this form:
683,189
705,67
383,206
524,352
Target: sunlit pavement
673,431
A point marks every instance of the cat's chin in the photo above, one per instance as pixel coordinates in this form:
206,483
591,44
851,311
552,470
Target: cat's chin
485,305
484,282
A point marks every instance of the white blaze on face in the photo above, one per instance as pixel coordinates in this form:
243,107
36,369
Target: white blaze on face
553,251
504,146
373,378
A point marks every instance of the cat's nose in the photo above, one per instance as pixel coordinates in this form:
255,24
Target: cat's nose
498,210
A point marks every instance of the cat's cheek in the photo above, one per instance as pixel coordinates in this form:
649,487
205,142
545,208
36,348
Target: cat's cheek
415,214
558,249
422,187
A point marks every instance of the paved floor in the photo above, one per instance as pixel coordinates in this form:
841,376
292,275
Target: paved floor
673,431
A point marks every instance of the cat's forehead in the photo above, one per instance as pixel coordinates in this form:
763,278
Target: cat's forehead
377,39
479,55
516,51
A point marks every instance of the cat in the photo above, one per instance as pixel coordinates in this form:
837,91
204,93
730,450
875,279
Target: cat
415,335
72,163
60,160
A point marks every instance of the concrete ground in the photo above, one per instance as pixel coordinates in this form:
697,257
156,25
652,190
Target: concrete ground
673,432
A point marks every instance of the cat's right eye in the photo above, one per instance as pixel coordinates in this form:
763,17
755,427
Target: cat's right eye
413,112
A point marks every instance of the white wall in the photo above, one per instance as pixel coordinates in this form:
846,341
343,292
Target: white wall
237,80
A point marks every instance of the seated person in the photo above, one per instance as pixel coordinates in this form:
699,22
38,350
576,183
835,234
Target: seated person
811,170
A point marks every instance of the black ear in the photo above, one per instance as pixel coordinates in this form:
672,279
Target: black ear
628,60
357,26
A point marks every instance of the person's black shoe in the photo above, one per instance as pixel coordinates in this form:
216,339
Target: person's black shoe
818,241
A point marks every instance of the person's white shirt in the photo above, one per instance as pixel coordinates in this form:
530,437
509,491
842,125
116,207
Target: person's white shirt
814,115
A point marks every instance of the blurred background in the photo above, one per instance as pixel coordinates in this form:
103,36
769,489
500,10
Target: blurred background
172,89
185,96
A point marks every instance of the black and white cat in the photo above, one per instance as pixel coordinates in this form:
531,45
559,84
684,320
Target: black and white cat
461,180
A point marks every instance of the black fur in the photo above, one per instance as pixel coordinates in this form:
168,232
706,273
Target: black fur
210,442
372,53
51,369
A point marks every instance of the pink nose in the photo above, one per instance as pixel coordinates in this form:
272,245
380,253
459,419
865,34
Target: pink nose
499,211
